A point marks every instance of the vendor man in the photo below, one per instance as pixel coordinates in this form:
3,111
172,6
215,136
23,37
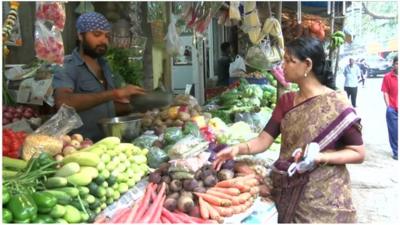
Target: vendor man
85,81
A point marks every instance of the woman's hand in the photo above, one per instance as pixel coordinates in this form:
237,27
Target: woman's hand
224,155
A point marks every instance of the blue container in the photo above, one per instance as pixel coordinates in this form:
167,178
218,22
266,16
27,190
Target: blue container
250,80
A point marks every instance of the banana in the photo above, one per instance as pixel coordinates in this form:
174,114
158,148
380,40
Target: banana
340,34
267,26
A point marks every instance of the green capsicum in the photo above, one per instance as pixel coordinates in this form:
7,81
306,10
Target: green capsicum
45,201
6,195
22,207
7,216
43,159
45,218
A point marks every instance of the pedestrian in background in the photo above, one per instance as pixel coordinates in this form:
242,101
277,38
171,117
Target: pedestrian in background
223,64
351,73
389,89
364,71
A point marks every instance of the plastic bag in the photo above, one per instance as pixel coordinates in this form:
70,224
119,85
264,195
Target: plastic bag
234,13
191,128
48,44
47,137
53,12
145,140
256,58
156,156
173,135
173,44
237,66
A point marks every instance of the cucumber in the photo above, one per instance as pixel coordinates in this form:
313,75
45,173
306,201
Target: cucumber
84,217
93,188
109,142
83,190
109,192
72,214
90,199
101,166
79,179
14,164
71,191
83,158
99,180
55,182
123,187
62,197
95,204
58,211
68,169
100,192
105,174
111,180
109,201
90,171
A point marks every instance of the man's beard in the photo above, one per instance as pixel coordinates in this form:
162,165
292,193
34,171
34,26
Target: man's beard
96,52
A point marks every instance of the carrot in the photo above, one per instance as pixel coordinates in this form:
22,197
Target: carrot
167,214
182,218
244,197
157,214
229,191
144,204
224,211
123,218
213,212
214,200
252,182
150,213
203,209
254,190
233,181
192,218
164,220
241,186
119,214
233,199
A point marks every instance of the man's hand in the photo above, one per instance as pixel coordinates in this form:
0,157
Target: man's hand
122,95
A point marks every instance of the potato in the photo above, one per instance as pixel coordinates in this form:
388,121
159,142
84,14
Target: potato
76,144
158,122
184,116
77,137
178,123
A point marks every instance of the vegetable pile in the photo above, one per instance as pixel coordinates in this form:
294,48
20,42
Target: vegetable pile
12,114
246,98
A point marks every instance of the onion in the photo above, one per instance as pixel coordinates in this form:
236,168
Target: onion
11,110
19,109
18,115
66,140
8,115
27,114
6,121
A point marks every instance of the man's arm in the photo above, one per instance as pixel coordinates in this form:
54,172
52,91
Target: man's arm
81,102
88,100
122,109
386,98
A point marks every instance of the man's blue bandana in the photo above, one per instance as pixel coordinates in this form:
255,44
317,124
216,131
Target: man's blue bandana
92,21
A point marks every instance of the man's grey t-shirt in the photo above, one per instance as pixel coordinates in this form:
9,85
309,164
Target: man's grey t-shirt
76,75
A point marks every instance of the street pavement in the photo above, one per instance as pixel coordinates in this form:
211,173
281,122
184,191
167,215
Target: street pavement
375,182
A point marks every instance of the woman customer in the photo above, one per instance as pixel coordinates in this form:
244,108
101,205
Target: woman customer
319,190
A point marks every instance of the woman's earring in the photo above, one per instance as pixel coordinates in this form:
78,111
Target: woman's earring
305,74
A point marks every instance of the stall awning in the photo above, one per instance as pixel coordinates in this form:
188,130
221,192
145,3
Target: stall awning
377,47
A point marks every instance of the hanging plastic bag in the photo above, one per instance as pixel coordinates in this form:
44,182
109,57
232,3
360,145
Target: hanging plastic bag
272,52
173,44
234,13
48,43
256,57
53,12
237,66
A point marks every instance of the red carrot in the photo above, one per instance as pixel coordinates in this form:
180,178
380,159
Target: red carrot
119,214
157,214
192,218
167,214
164,219
144,204
150,213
